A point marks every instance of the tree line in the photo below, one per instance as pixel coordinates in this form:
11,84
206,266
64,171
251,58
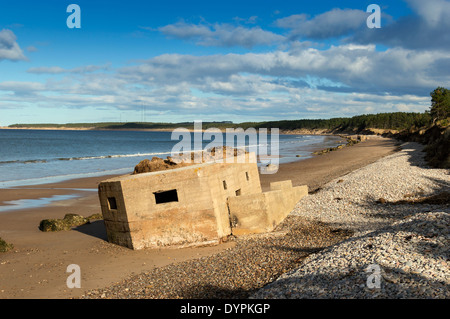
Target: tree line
396,121
439,112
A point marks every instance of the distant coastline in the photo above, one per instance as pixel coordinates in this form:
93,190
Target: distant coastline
318,131
46,128
64,128
368,124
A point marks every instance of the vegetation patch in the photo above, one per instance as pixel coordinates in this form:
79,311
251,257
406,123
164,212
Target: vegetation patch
4,246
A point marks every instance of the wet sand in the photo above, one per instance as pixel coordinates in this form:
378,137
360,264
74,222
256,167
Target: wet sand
36,267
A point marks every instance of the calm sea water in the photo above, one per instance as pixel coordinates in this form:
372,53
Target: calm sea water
30,157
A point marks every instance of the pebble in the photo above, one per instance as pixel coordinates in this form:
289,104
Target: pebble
409,243
235,273
325,246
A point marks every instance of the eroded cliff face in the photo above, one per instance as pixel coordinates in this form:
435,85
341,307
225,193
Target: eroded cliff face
437,141
438,149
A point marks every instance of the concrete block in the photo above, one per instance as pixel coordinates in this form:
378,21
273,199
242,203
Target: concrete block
262,212
193,205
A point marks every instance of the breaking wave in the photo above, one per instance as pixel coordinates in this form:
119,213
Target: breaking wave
81,158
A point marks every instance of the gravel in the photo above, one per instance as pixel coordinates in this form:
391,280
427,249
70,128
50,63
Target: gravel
351,239
235,273
398,249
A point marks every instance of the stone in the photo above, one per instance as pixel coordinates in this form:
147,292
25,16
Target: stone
68,222
193,205
4,246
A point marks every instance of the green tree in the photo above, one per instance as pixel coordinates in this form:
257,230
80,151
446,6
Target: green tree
440,104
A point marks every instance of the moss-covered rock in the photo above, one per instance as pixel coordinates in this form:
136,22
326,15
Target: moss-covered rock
4,246
69,221
350,142
95,217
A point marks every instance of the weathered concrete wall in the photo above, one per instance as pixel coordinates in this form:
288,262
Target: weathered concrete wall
231,180
189,217
114,215
257,213
192,207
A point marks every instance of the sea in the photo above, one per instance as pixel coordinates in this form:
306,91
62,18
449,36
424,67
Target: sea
33,157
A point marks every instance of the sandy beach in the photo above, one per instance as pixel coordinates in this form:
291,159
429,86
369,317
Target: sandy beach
36,266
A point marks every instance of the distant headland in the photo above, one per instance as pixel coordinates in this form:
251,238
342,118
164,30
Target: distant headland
367,123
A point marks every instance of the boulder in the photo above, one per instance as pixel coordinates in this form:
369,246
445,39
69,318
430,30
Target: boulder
185,159
4,246
69,221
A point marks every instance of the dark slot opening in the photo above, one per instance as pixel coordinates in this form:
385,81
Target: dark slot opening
246,175
166,196
238,192
112,203
224,185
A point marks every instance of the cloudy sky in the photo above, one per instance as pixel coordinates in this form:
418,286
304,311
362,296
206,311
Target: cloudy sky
173,61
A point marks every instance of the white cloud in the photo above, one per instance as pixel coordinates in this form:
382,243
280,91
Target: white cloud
9,49
21,87
342,80
222,35
425,29
293,80
353,68
334,23
433,12
32,48
49,70
59,70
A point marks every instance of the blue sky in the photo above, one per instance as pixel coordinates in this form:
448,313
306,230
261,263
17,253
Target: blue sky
173,61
